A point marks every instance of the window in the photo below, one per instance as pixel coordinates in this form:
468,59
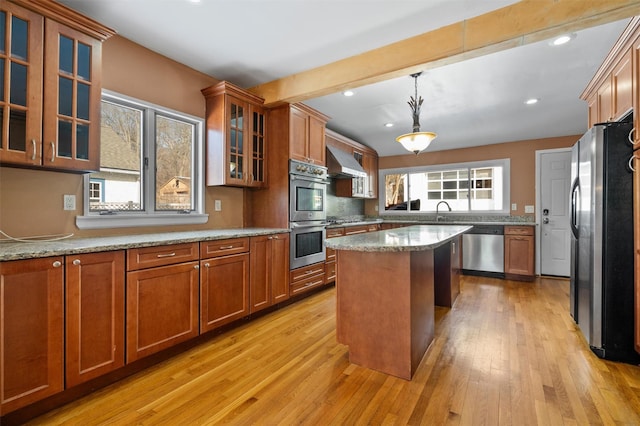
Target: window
150,167
477,186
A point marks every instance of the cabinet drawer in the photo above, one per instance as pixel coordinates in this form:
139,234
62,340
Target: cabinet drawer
359,229
309,283
149,257
335,232
373,227
223,247
305,272
518,230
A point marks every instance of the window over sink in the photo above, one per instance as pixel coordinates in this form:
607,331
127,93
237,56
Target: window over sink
481,186
150,167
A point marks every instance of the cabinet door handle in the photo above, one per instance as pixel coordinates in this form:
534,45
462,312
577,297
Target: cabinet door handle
53,152
33,143
166,255
226,247
630,137
631,163
57,264
76,262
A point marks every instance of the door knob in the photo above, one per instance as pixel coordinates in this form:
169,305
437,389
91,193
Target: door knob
545,220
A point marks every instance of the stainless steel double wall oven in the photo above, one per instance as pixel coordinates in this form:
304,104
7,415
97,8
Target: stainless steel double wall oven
307,212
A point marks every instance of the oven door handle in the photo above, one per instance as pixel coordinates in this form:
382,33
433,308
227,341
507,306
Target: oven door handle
309,179
315,225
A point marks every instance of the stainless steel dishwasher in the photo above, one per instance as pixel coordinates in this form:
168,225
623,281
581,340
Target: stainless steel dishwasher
483,251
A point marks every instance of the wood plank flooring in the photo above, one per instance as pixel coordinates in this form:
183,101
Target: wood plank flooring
507,353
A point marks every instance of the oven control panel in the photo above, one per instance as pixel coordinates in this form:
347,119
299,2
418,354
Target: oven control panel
307,169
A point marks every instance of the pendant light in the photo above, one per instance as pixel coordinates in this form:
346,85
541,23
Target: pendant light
416,141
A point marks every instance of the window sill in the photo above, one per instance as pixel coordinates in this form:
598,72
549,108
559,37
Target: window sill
128,221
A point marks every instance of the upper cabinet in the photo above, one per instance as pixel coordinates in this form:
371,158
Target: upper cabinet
612,92
306,128
236,137
357,187
50,69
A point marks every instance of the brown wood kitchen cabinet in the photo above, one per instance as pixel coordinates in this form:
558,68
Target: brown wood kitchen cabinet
224,282
447,272
94,319
519,252
162,298
236,137
62,133
306,278
301,129
31,331
269,282
330,262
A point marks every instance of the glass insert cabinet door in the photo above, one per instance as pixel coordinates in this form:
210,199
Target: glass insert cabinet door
20,85
70,134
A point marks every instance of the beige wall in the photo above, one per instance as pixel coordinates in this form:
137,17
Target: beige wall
31,201
523,162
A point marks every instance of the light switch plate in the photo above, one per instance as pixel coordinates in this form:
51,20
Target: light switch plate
217,205
514,206
529,209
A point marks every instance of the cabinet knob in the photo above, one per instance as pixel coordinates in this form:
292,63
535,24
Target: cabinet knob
196,266
76,262
57,264
206,265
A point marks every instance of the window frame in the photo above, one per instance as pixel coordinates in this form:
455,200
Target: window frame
505,163
149,216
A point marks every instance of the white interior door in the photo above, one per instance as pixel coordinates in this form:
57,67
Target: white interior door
555,237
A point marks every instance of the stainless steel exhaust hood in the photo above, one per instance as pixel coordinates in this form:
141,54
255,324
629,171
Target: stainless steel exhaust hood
342,165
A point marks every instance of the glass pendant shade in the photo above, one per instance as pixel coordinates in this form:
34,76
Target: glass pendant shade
416,142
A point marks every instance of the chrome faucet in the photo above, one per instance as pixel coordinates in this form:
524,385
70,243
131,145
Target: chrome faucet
438,206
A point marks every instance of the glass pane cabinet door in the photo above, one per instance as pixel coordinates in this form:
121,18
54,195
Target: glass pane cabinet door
258,148
20,78
72,112
237,172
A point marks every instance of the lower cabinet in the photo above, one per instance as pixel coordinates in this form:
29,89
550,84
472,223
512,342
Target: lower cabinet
269,271
306,278
447,273
162,301
519,252
94,320
31,331
330,262
224,283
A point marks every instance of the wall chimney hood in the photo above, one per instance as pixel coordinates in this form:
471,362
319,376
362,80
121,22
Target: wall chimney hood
342,164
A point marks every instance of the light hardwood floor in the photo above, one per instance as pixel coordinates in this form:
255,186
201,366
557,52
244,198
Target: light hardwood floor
508,353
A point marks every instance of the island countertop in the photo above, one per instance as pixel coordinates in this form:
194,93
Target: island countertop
410,238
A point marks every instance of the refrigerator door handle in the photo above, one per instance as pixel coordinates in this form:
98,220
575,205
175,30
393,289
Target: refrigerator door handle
575,198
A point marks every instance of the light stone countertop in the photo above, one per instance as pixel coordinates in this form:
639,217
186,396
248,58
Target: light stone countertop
10,250
409,238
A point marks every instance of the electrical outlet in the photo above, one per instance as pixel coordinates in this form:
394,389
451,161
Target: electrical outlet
529,209
69,202
217,205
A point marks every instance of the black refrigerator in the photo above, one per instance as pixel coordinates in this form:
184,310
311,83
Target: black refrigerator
602,278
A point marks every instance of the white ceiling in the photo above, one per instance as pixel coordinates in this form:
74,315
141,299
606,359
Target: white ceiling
475,102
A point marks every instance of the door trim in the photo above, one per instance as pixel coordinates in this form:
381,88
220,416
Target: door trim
537,210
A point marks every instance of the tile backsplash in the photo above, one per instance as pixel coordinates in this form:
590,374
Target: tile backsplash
342,206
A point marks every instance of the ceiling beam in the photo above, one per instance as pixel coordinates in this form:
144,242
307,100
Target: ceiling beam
521,23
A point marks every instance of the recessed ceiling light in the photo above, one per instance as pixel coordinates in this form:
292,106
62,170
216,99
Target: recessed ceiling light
531,101
388,124
348,93
563,39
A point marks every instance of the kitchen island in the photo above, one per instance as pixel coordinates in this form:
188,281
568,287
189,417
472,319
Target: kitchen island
385,294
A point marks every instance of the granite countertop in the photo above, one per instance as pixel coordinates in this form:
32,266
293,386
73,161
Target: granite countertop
11,250
410,238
